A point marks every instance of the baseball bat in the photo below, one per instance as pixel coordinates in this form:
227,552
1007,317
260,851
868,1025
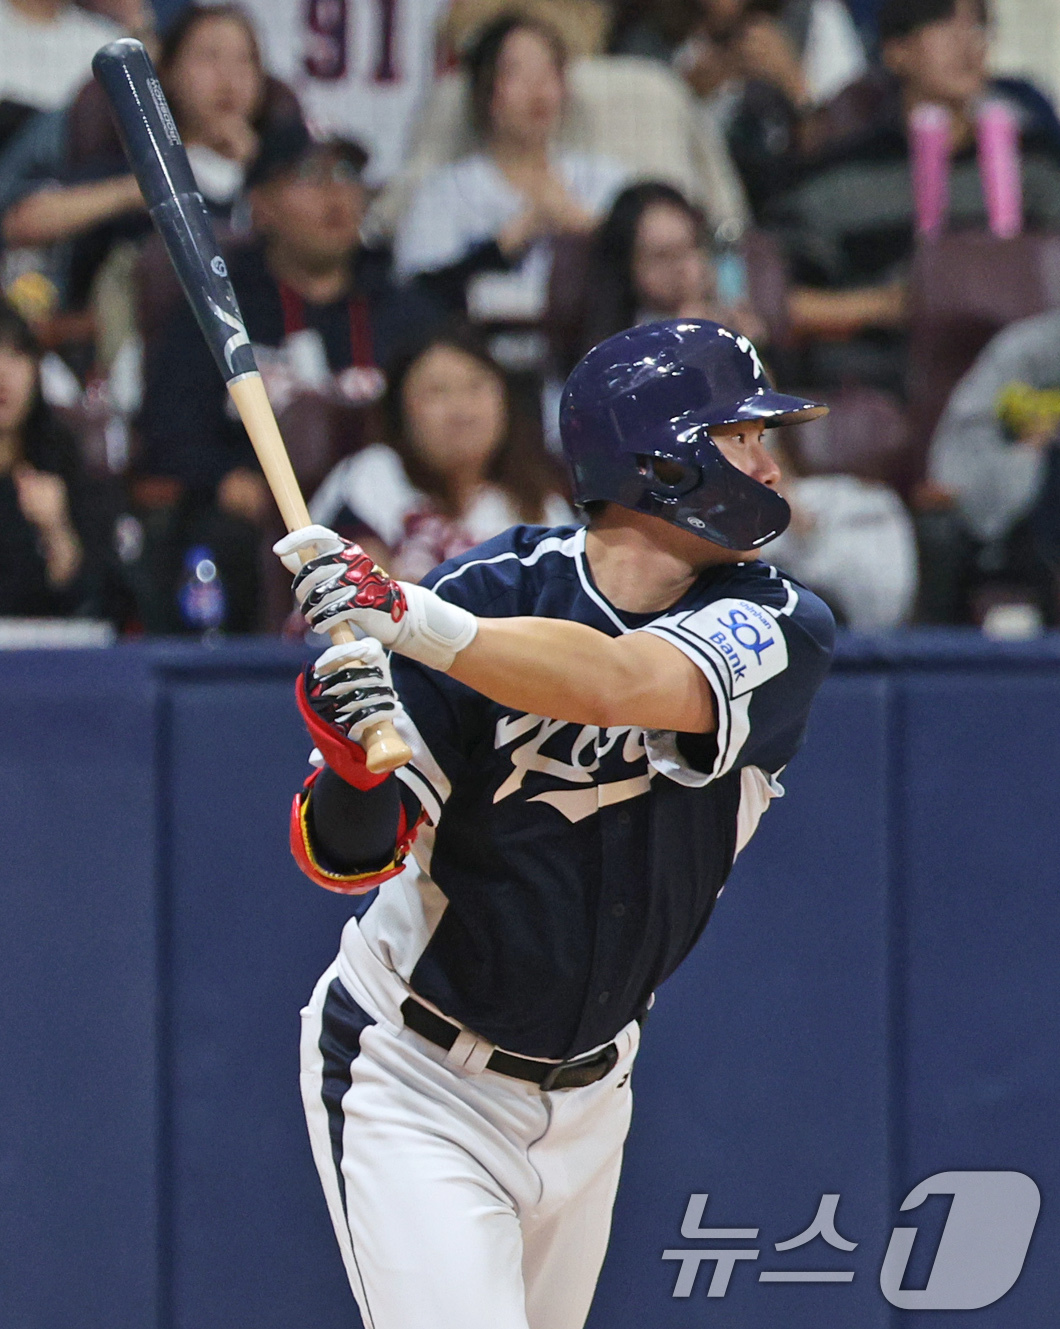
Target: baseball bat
156,154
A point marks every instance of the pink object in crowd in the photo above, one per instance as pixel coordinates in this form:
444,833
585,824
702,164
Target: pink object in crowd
930,135
998,133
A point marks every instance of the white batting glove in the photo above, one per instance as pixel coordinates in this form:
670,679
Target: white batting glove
340,584
350,687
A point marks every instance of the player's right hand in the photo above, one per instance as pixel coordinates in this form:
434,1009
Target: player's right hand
337,582
350,688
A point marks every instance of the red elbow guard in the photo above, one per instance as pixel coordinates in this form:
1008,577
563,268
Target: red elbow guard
356,883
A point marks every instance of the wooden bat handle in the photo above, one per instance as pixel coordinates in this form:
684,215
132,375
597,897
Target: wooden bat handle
385,749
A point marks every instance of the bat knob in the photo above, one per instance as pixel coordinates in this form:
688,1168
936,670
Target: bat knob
385,749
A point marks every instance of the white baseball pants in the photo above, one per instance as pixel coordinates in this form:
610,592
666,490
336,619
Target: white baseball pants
460,1200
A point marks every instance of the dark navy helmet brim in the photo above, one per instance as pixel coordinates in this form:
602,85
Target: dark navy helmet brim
774,409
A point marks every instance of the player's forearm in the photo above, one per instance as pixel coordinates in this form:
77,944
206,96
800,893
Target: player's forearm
543,666
353,830
571,672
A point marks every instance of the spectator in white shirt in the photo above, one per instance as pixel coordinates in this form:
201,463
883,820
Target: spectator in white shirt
46,50
478,231
460,464
222,101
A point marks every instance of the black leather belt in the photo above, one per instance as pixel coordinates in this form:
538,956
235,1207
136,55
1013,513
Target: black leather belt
549,1075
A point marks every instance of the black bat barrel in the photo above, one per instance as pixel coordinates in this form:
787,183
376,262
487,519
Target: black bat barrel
156,154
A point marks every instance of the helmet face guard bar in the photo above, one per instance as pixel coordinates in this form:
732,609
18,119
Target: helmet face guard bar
654,392
723,505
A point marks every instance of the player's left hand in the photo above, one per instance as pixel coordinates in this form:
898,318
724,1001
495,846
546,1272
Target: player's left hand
340,583
350,687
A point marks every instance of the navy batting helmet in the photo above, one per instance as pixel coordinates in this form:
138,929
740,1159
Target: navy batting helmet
652,393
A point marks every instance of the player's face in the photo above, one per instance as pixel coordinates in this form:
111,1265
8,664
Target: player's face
528,89
18,381
215,76
670,268
943,61
313,211
743,445
455,412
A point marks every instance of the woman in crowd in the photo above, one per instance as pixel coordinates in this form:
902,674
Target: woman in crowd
458,466
478,230
651,260
43,570
210,67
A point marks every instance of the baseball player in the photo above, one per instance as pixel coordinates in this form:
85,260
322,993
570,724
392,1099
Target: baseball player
598,717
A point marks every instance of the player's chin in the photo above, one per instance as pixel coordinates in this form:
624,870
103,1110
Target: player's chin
711,553
723,555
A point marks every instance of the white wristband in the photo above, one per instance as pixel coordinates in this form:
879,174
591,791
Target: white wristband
433,630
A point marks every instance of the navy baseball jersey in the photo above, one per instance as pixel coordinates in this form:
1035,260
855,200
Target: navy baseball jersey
565,870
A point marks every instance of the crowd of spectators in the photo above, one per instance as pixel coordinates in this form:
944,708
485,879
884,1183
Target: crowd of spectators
431,210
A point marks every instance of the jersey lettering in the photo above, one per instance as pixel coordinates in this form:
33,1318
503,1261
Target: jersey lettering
590,746
326,23
328,38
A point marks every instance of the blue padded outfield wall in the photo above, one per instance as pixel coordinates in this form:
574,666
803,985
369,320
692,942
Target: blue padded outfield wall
875,1002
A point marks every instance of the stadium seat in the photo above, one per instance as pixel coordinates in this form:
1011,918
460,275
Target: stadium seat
865,434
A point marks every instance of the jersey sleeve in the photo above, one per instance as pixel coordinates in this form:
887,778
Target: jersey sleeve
764,665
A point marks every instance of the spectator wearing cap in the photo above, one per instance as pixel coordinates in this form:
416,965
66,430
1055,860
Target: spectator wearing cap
479,230
848,227
324,318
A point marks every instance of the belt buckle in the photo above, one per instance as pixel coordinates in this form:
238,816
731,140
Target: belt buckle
608,1055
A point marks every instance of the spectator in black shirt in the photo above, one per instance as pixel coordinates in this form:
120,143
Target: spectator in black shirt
650,259
324,318
42,549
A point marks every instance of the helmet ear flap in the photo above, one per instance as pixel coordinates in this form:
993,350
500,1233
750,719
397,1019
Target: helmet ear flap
667,477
